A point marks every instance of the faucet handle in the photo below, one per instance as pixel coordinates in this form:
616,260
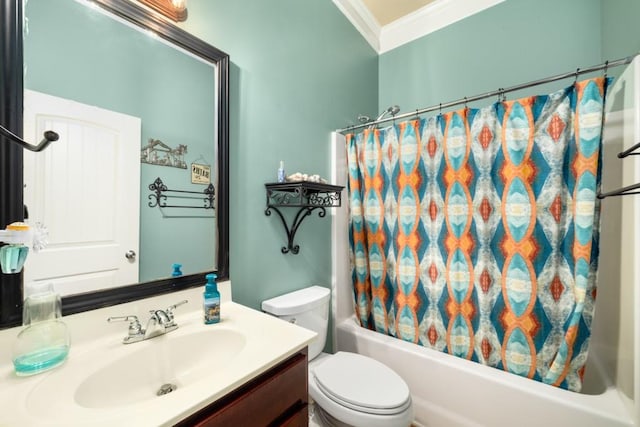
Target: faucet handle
176,305
135,328
169,311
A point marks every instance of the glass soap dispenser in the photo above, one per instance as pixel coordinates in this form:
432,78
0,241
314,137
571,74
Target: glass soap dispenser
44,341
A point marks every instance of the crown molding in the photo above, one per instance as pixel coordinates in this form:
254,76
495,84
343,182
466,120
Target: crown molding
423,21
362,19
429,19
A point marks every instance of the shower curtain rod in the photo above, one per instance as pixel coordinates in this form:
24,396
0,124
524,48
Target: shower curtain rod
501,91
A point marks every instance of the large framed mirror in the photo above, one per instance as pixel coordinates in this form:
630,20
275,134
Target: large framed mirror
105,73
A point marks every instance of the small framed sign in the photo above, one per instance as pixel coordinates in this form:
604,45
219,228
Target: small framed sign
200,174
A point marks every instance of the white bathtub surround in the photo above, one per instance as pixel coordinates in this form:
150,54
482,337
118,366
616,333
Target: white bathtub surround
97,344
342,295
454,392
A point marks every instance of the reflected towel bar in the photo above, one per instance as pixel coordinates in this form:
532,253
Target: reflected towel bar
159,198
49,137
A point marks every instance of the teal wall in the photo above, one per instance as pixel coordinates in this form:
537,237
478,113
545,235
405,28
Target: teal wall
299,70
620,30
75,52
511,43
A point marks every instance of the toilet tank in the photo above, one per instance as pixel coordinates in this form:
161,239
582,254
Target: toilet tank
308,308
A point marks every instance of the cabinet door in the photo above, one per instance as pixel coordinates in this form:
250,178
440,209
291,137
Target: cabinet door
298,419
278,397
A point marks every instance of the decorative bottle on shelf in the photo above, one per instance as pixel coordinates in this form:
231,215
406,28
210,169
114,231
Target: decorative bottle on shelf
211,300
281,175
44,342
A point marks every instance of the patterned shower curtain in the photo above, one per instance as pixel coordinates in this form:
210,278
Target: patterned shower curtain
475,232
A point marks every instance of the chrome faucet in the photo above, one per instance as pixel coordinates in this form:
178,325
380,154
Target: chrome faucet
160,322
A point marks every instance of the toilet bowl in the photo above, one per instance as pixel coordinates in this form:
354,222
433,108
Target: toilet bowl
359,391
348,389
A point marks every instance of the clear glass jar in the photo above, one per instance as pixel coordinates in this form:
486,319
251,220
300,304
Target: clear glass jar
44,342
40,347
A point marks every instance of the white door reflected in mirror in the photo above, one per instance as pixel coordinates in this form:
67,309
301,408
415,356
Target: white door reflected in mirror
84,188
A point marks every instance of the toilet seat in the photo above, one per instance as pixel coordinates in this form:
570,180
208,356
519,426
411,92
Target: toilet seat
362,384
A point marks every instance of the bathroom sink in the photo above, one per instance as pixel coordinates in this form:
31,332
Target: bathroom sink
173,361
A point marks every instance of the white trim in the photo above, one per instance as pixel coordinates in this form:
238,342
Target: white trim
429,19
362,19
423,21
342,301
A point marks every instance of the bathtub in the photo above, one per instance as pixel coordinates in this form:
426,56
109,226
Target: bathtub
448,391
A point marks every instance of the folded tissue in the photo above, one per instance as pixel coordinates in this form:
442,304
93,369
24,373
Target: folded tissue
299,177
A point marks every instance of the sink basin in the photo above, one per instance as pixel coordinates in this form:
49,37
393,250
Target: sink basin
177,361
137,375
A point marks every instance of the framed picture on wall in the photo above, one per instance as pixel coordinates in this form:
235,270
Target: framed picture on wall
200,174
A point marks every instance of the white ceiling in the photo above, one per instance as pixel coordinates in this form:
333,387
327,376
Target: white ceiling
387,11
387,24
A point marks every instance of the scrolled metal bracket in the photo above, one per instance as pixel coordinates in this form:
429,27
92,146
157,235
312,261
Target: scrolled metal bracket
157,198
291,232
306,196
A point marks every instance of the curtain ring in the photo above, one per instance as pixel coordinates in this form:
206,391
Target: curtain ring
606,68
417,116
500,93
465,103
440,109
577,73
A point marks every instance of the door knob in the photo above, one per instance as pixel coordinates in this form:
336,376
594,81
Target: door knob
130,255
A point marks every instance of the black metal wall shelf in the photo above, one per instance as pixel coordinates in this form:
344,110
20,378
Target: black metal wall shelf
308,196
159,196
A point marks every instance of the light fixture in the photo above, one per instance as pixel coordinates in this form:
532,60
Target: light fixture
175,10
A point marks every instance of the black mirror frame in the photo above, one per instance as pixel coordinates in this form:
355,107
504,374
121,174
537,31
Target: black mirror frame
11,181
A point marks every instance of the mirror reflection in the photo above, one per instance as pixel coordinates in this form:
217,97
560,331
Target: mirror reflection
129,108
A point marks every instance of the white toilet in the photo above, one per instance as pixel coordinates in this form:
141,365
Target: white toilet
348,389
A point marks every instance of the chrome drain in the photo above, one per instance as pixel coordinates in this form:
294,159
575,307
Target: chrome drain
166,389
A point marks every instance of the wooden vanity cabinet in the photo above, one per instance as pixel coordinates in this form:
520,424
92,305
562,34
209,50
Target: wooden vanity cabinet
278,397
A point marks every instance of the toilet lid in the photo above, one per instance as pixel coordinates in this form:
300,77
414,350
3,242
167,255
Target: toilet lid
361,383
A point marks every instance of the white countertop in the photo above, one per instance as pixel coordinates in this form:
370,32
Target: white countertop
96,343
